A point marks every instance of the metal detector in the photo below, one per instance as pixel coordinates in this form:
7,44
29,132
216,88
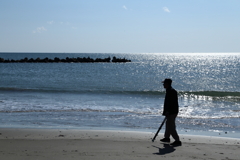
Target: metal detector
159,129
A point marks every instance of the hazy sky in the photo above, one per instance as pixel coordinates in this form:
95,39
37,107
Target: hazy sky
120,26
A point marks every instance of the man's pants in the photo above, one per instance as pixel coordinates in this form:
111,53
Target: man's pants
170,129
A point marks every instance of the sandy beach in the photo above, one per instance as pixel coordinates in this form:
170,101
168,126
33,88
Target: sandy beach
62,144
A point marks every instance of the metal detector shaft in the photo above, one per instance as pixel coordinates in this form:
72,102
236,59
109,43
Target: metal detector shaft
159,129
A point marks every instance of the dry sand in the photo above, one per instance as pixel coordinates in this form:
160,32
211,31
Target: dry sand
47,144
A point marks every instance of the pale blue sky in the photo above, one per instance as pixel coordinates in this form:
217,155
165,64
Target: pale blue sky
120,26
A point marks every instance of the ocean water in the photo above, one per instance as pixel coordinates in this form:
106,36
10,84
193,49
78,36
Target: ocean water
122,96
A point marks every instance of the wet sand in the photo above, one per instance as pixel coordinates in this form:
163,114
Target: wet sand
62,144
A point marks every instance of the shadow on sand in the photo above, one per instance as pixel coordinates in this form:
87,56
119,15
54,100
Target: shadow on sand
166,149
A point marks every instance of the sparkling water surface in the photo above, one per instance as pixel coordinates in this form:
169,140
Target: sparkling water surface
124,96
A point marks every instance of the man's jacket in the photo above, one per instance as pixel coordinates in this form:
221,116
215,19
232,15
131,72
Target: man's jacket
171,102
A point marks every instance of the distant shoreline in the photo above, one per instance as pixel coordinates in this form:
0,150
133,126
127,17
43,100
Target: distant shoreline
66,60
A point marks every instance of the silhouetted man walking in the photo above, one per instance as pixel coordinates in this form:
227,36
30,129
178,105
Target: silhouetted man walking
170,111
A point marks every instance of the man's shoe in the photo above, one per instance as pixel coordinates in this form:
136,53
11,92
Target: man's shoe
165,140
176,143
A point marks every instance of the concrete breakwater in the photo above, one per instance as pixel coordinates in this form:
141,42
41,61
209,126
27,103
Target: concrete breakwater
66,60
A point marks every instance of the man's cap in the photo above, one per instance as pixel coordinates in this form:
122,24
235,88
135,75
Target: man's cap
167,80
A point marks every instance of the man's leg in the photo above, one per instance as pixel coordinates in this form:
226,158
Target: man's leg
167,133
171,127
167,128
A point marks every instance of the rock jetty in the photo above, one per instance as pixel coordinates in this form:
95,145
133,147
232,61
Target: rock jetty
66,60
